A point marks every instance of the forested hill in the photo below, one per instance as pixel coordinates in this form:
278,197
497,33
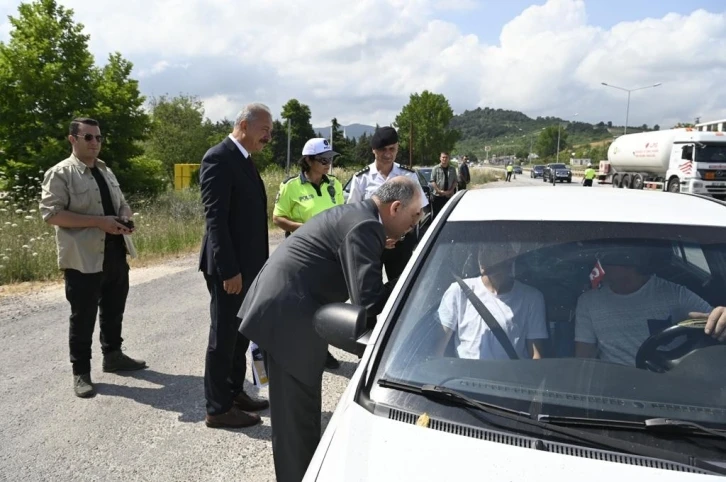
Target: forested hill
487,126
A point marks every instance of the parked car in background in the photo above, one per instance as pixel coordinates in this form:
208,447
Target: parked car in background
425,172
537,171
517,169
428,404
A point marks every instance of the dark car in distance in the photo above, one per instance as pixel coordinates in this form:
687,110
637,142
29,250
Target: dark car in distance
537,171
558,172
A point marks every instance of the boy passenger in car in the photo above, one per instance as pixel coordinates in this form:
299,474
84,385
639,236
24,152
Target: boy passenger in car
518,308
612,322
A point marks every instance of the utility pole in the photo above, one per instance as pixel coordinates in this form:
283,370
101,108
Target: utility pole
287,169
410,145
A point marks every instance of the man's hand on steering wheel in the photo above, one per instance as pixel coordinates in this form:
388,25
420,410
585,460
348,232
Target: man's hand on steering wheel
715,322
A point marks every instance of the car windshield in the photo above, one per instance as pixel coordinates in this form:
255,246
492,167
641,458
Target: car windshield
585,296
711,153
559,166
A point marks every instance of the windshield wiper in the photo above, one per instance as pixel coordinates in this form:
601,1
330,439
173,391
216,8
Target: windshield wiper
541,428
671,424
667,425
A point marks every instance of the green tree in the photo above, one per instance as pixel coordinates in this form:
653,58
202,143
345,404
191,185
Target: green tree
546,145
429,115
47,77
363,154
342,145
119,109
179,134
301,129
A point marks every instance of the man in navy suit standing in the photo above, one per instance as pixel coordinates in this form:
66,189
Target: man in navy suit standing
234,248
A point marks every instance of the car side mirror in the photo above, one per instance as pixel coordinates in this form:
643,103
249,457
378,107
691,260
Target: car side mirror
426,189
344,326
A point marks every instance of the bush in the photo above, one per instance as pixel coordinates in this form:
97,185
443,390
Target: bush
21,181
143,176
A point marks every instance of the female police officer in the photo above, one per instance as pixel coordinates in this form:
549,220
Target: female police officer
306,194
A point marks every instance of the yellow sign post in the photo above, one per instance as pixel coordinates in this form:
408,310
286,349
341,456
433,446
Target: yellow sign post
183,174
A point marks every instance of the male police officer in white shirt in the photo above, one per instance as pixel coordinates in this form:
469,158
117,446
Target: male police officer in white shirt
366,181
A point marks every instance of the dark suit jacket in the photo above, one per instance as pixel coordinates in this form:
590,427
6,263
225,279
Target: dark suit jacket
235,210
334,256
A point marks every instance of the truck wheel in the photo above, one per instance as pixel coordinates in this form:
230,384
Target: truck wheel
625,183
638,181
616,181
674,185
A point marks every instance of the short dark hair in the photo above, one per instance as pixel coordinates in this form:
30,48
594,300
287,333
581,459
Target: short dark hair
76,124
444,152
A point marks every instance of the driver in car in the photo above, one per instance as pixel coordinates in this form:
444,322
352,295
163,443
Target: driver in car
518,308
612,322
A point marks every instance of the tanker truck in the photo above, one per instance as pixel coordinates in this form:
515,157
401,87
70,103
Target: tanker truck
675,160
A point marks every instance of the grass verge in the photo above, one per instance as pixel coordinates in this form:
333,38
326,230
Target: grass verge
168,225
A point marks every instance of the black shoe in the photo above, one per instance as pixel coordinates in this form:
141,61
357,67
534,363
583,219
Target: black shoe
331,363
83,386
117,361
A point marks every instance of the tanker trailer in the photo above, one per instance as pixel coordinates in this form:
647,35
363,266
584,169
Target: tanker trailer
674,160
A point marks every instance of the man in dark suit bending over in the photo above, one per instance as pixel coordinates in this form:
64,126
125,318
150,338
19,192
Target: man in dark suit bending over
333,257
234,248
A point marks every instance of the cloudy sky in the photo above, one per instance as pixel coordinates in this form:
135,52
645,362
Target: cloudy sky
359,60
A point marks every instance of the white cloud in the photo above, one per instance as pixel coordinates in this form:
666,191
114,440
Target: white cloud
456,5
360,60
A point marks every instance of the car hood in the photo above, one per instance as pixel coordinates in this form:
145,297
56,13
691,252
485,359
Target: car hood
365,447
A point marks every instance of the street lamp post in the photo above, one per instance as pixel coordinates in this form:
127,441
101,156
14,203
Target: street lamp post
627,110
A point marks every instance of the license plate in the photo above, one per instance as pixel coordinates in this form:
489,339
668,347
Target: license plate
710,175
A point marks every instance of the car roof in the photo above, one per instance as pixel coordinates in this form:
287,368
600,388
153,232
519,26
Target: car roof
577,204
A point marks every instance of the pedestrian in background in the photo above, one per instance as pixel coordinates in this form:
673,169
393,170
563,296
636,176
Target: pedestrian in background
464,174
444,181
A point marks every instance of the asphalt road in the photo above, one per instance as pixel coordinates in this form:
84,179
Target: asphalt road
147,425
524,180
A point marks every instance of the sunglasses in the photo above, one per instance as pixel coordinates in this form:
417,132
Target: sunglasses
89,137
323,160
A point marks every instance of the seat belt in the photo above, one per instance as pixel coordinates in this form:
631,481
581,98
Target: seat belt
489,319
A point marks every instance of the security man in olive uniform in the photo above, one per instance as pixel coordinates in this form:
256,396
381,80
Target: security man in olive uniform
307,194
365,182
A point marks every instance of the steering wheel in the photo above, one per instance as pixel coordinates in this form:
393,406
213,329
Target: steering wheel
651,357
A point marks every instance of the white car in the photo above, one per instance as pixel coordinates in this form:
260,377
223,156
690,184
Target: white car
421,407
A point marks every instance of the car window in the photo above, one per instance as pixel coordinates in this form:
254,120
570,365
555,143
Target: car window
692,254
606,285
